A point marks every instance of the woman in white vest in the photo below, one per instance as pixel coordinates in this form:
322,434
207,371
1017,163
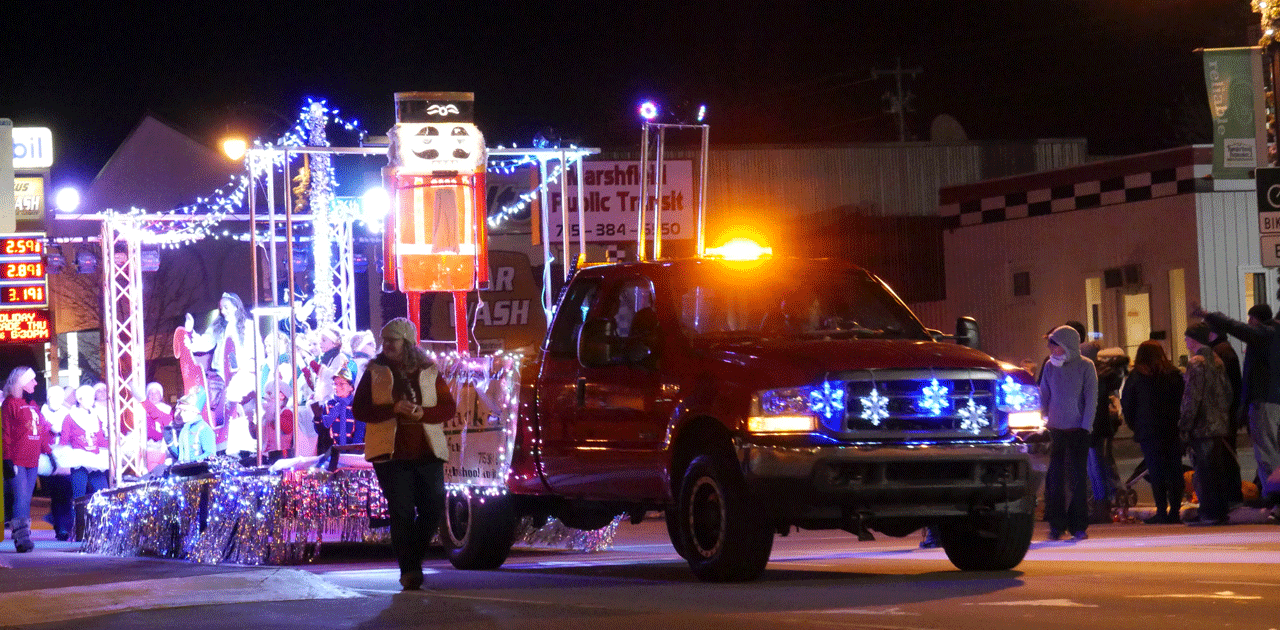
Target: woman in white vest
54,471
405,402
86,436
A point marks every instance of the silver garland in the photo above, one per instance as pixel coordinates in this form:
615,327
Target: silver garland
552,533
253,518
259,518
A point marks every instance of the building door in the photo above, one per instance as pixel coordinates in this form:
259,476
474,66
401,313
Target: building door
1136,316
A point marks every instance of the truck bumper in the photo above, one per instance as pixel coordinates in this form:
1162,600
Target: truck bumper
886,481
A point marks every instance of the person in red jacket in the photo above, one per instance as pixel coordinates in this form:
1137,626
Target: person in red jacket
26,436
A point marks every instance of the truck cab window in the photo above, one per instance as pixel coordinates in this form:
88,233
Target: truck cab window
563,338
632,297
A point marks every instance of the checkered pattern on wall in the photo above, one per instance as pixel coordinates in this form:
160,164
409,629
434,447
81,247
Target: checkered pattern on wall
992,206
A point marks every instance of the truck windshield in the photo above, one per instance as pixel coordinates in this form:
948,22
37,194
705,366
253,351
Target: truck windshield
811,302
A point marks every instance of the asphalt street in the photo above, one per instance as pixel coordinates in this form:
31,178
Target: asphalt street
1125,575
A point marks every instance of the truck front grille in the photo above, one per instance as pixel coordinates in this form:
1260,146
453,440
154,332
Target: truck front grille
922,404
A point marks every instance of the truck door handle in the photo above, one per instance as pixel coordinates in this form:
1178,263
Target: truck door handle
582,391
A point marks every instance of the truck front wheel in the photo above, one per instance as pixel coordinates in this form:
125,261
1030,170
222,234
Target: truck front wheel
725,534
477,531
999,546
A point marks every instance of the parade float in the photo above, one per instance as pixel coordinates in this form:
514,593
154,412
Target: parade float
274,504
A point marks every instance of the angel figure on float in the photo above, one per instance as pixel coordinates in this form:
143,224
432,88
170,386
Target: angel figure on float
232,342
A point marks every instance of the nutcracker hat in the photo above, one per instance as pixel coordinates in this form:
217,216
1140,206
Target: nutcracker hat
346,369
194,397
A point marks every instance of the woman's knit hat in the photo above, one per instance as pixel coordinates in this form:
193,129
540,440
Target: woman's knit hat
402,328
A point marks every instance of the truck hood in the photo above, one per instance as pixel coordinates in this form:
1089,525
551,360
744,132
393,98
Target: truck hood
796,362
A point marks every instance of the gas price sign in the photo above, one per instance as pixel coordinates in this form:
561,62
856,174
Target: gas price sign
23,283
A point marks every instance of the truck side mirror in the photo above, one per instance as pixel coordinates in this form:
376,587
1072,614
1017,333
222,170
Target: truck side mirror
967,332
593,343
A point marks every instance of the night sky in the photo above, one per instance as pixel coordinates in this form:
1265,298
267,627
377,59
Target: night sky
1121,73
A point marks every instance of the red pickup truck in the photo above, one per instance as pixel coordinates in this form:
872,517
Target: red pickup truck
743,399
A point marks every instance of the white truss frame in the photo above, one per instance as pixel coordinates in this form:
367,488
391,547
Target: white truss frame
124,347
125,358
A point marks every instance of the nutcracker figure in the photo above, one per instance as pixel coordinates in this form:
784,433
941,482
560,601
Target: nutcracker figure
435,238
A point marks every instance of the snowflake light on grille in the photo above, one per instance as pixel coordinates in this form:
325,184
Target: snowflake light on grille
934,398
875,407
828,402
973,417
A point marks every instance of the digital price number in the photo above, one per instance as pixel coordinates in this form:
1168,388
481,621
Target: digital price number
22,245
22,294
23,280
21,270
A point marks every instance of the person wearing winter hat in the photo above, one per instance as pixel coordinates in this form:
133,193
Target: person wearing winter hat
1068,398
26,436
404,401
1203,424
1260,387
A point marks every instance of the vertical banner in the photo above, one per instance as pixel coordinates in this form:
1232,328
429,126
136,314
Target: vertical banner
1233,78
8,212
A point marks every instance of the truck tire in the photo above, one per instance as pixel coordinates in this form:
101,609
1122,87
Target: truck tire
673,530
726,534
477,531
1000,548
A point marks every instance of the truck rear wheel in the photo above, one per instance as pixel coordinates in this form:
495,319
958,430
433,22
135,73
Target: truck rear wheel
999,547
477,531
725,534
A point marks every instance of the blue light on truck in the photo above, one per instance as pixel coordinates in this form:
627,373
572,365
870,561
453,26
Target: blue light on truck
828,401
1016,397
934,398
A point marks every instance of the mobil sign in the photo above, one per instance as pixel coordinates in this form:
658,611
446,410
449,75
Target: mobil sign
32,148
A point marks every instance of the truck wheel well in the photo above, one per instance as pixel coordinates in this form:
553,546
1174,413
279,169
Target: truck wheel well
703,435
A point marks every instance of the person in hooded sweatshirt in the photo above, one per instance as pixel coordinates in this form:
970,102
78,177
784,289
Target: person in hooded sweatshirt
1069,399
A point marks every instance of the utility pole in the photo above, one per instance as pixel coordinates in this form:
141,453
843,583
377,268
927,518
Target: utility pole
899,102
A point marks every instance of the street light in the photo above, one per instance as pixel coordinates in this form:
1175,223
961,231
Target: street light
375,203
234,148
67,199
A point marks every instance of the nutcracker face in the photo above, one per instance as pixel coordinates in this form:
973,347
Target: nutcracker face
425,148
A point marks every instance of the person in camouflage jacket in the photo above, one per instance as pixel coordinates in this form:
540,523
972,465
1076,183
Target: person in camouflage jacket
1203,424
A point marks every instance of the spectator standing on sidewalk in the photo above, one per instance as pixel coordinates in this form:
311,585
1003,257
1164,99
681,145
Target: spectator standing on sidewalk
1236,416
1069,398
1203,424
1151,399
1260,387
26,436
1104,480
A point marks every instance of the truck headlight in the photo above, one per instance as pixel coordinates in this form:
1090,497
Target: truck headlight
782,411
1021,403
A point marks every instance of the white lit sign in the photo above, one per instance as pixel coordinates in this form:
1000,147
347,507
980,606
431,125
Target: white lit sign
32,147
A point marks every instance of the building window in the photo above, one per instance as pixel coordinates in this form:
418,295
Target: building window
1022,283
